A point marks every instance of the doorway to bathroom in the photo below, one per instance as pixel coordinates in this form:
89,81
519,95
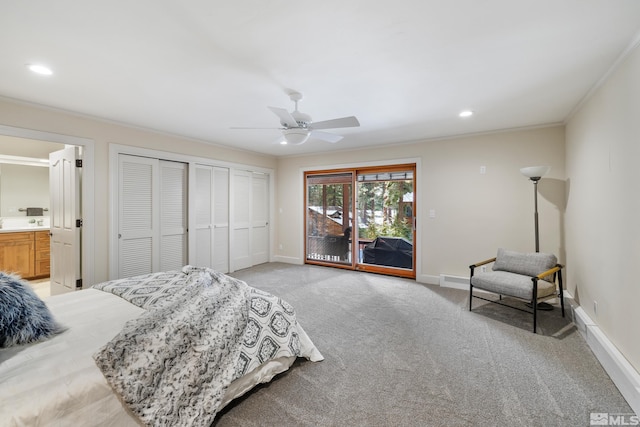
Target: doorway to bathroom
23,148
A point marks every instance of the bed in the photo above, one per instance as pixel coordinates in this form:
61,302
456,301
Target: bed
169,348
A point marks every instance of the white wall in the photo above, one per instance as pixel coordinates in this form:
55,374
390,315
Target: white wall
603,209
475,213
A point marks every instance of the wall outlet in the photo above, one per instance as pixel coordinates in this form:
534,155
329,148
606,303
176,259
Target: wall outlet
483,170
483,268
280,246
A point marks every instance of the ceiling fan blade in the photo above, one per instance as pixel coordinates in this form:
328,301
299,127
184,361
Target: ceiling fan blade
240,127
326,136
286,118
344,122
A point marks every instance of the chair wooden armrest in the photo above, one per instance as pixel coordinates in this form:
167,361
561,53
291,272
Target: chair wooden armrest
478,264
549,272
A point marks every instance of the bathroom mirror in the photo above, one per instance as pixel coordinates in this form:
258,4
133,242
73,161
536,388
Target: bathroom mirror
24,174
23,186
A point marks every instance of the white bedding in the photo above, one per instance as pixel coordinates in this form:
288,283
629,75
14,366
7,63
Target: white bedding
56,382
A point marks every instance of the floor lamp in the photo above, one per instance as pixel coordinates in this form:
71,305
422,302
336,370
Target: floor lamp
534,173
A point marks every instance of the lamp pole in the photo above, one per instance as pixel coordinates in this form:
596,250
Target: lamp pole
534,173
535,215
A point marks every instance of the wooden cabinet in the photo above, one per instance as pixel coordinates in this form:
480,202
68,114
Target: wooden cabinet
42,256
17,254
25,253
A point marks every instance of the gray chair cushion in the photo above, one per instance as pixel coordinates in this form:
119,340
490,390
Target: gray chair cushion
511,284
529,264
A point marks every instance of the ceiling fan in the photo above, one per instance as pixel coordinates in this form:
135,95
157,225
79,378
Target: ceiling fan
297,127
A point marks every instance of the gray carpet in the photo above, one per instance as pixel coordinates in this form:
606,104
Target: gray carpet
400,353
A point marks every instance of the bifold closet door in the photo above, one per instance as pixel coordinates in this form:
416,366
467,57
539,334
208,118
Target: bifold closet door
250,230
152,207
241,232
173,215
204,216
221,219
212,217
259,218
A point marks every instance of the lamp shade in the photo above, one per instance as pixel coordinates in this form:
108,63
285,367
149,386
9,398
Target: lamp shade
296,136
535,171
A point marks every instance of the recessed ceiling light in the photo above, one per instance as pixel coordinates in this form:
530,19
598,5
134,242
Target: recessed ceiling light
466,113
40,69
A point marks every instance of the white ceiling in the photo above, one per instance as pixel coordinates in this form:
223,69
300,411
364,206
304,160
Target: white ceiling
405,68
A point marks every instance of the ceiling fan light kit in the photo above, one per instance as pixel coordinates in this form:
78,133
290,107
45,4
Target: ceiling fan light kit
295,136
298,127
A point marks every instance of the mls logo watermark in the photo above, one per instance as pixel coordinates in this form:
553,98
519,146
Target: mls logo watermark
608,419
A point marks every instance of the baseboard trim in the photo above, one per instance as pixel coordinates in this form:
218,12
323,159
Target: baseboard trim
287,259
455,282
428,279
624,376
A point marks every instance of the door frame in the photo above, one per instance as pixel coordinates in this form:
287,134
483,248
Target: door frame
87,253
392,163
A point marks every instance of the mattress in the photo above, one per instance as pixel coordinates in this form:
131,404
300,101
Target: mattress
57,381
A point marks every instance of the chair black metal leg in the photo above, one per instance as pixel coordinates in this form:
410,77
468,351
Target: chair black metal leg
534,303
471,268
561,292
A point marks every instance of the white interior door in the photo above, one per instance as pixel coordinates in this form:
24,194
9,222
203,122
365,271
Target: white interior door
173,215
212,217
138,191
241,228
204,216
64,186
221,219
259,218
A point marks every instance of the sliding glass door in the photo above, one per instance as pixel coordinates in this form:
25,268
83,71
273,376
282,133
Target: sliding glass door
385,220
329,218
369,229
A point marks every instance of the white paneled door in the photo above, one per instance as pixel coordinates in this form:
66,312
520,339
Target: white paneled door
250,209
259,218
241,208
221,219
152,215
203,256
64,186
212,217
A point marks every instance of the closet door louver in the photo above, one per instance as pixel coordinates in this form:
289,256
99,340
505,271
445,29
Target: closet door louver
173,215
137,217
152,215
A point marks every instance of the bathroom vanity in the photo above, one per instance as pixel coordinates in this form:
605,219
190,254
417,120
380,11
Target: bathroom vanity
25,252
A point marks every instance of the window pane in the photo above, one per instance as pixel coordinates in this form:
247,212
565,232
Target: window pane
329,222
385,219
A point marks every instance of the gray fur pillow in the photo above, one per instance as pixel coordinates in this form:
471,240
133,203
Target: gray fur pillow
24,317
